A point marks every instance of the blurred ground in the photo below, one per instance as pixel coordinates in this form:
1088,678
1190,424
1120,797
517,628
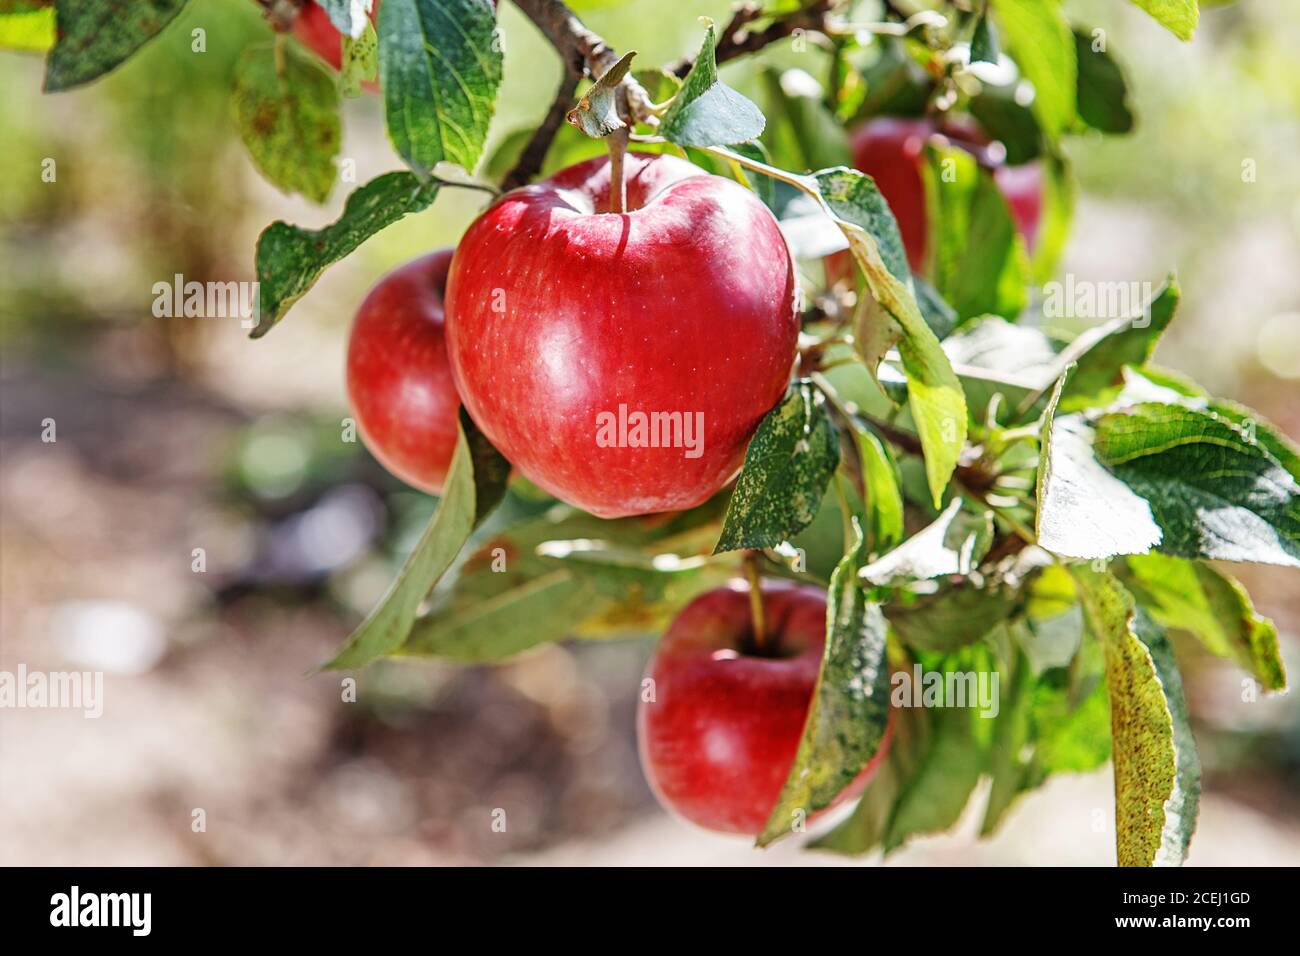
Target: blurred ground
176,435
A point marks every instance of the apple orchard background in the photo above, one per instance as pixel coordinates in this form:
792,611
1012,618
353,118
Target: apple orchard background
180,433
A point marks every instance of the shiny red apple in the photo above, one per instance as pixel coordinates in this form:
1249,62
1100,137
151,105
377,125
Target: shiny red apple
622,361
719,737
399,380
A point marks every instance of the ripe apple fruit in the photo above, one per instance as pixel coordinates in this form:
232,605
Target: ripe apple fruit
399,380
890,150
313,28
719,738
622,361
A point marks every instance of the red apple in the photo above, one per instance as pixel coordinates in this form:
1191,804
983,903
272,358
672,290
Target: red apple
890,150
719,738
1023,188
623,361
399,379
314,29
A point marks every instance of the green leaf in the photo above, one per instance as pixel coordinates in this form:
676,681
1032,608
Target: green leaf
1182,807
934,394
850,707
953,543
1153,385
475,484
788,464
95,36
1012,124
1214,490
1182,481
868,825
1143,747
880,491
951,617
440,68
1008,771
287,110
360,61
707,112
597,111
27,28
984,42
934,798
1194,597
980,265
1042,45
1179,17
1103,93
350,17
540,611
1102,351
290,259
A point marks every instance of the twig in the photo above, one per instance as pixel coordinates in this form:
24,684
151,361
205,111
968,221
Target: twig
735,40
583,53
531,159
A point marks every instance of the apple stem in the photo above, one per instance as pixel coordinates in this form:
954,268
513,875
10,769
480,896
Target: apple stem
617,143
753,575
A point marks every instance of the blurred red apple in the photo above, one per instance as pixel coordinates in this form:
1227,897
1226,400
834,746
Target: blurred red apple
719,738
623,361
314,29
890,150
399,380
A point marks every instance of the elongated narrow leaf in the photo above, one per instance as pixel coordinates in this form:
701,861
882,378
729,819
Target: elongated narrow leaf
94,36
1179,17
787,467
476,481
881,491
850,707
866,828
1143,747
935,395
1042,45
290,259
706,111
440,68
1194,597
935,796
287,110
1183,805
980,264
544,609
348,16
